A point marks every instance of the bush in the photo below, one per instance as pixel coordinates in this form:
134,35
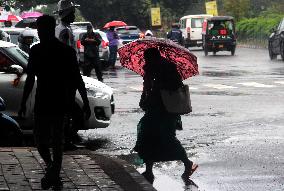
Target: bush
259,28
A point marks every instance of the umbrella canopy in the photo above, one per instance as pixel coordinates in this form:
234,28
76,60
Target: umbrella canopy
29,22
115,24
35,14
132,56
9,17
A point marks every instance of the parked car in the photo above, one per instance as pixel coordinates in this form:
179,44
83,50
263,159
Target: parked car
219,34
103,48
10,132
191,27
13,63
276,42
81,25
128,34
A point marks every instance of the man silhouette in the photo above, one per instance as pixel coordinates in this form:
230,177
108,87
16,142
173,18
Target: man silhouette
91,42
58,77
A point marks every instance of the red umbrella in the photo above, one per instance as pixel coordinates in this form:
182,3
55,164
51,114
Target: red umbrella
35,14
132,56
9,17
115,24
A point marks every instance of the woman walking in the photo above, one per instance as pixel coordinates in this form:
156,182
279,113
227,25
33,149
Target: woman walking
156,140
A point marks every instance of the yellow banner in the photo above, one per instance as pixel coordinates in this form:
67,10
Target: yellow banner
211,8
156,16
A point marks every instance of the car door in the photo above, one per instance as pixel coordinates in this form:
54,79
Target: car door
196,28
11,84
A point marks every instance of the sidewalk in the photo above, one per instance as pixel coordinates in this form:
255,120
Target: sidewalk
21,169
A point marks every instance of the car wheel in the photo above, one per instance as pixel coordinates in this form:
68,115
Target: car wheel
271,54
233,51
282,50
205,51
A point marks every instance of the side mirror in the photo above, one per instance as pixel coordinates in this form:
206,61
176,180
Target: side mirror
16,69
2,104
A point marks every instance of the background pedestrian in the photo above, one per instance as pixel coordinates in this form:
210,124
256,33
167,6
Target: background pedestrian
175,34
63,31
91,42
112,37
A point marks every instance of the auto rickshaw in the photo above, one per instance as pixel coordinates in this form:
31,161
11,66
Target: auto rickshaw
218,34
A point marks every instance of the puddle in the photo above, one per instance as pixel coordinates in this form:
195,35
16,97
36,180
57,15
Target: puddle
127,111
224,73
219,93
215,114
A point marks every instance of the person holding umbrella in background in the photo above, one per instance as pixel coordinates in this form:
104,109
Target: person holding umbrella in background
112,37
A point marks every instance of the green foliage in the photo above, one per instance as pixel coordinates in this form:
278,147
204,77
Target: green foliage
258,28
236,8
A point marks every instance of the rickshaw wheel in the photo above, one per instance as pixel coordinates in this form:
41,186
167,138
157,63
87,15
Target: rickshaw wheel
271,54
282,50
233,51
205,51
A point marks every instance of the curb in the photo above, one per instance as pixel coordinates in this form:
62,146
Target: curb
121,172
251,46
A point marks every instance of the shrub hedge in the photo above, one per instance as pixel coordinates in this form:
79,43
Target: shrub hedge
258,28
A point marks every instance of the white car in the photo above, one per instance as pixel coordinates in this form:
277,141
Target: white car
191,27
13,62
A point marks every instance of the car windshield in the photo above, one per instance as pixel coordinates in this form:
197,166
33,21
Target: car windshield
130,30
196,22
17,54
224,24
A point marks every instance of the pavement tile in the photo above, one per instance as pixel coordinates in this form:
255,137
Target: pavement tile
21,169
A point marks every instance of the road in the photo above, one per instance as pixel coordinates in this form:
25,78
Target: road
235,132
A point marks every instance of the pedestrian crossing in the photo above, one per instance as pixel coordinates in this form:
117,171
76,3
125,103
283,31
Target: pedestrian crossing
250,84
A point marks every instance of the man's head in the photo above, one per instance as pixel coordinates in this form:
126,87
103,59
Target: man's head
66,11
89,28
217,23
111,28
175,25
7,23
46,28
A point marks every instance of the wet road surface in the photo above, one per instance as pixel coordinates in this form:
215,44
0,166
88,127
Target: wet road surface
235,132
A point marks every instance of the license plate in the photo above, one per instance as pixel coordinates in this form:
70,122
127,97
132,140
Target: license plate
221,46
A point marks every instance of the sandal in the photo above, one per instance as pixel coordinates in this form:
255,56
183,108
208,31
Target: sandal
149,177
186,175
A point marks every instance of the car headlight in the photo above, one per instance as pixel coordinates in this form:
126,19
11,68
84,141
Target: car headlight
97,93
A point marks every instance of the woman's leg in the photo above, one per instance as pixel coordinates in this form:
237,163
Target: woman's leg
189,168
149,167
148,174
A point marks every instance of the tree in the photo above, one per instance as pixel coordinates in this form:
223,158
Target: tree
236,8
